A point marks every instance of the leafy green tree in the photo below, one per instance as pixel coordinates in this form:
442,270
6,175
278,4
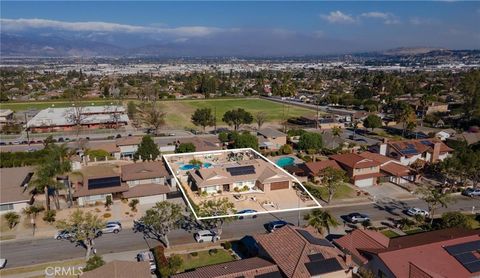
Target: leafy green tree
310,141
84,227
223,137
216,207
160,220
49,216
12,219
333,178
237,117
185,148
133,204
286,149
95,261
174,265
434,198
321,220
455,219
147,150
203,117
245,140
132,110
372,121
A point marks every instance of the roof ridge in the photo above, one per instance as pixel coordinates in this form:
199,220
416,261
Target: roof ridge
364,232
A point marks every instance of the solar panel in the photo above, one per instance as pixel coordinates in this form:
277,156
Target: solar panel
275,274
316,257
463,247
104,182
464,253
241,170
314,240
473,267
425,142
322,267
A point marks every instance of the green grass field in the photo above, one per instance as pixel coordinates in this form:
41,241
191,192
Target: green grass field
179,112
204,258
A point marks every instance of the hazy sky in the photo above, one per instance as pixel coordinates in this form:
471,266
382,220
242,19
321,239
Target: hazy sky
307,26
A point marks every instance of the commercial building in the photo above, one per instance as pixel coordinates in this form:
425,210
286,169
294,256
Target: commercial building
88,117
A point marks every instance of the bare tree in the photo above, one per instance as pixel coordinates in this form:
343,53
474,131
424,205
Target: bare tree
76,115
152,117
260,118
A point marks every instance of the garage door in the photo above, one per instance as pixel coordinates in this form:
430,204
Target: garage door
365,182
279,185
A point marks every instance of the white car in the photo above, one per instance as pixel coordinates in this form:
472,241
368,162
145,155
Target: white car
147,256
206,235
110,228
417,211
3,263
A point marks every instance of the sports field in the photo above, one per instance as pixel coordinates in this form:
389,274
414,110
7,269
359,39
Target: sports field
179,112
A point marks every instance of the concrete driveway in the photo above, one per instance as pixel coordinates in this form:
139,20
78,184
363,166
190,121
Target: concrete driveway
387,191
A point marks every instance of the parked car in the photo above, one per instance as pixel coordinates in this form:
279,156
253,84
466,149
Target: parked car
114,222
247,212
206,235
63,234
3,263
471,192
417,211
357,217
272,226
147,256
110,228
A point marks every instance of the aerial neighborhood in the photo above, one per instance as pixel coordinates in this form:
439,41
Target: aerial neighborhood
151,149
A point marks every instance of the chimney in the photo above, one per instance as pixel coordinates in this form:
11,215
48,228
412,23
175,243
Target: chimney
383,149
436,151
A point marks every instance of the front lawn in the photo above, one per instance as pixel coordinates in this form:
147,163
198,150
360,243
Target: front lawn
204,258
344,191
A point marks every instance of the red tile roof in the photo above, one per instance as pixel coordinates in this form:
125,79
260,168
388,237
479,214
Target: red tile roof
316,167
420,145
422,254
290,250
355,161
143,190
395,169
362,239
144,170
120,269
376,157
239,268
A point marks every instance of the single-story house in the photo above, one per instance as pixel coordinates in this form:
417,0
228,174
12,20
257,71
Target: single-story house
270,138
128,145
254,174
14,192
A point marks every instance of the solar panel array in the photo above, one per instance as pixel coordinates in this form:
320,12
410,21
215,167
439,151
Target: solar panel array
314,240
467,254
324,266
241,170
316,257
98,183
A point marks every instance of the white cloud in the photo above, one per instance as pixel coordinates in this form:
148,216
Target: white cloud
98,26
338,17
388,18
318,34
422,21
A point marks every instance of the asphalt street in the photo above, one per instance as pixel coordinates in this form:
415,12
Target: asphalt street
27,252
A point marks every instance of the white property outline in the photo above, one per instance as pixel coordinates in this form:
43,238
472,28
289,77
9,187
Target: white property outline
166,156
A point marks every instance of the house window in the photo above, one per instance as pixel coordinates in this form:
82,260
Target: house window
6,207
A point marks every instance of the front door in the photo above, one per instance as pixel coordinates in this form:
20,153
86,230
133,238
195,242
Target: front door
226,187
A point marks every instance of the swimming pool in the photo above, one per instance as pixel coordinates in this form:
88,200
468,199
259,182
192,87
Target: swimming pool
186,167
285,161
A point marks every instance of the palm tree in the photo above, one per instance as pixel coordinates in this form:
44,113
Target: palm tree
57,163
336,133
320,220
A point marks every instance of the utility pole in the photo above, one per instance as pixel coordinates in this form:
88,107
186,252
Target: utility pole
26,128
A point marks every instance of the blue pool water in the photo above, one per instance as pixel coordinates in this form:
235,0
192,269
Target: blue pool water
285,161
186,167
